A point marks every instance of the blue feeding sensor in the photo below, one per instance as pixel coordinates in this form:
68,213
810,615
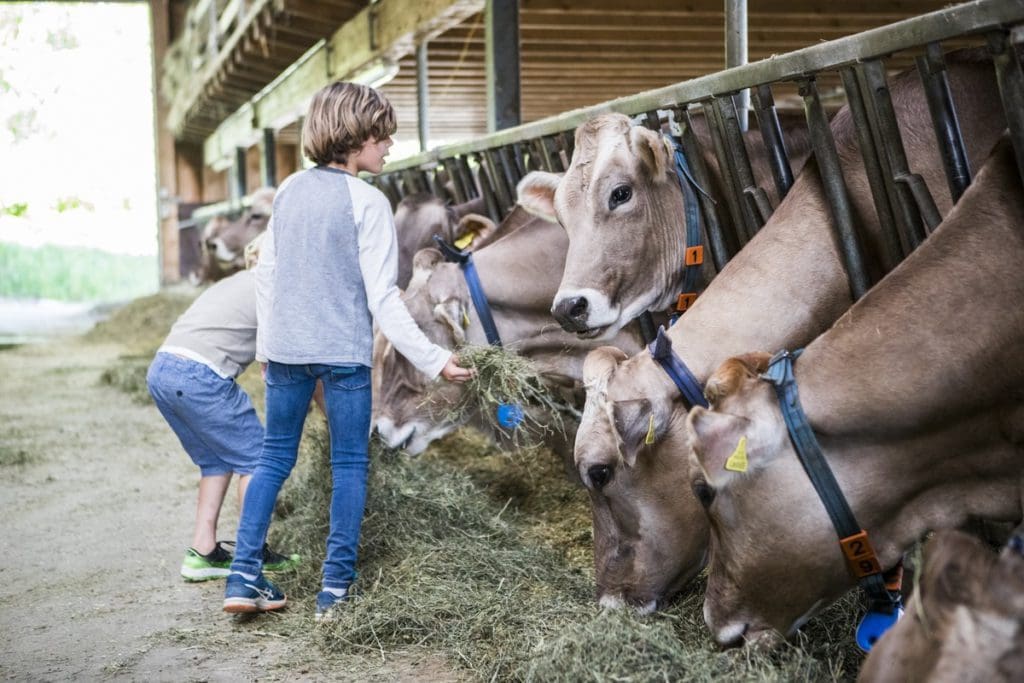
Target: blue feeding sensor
509,415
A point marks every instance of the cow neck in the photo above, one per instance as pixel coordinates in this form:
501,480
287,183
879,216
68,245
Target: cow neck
885,603
693,253
476,289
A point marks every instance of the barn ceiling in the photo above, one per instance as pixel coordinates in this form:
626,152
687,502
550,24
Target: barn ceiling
574,53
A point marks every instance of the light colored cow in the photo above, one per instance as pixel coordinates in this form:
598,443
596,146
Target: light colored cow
964,622
622,207
223,241
519,272
917,398
784,288
419,217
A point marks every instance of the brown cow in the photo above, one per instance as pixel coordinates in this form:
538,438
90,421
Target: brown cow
917,397
964,622
519,273
784,288
622,207
420,216
224,241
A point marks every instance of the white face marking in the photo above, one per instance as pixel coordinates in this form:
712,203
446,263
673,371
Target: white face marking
600,311
394,435
609,601
221,251
647,608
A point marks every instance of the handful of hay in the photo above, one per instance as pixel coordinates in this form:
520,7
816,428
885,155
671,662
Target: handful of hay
504,378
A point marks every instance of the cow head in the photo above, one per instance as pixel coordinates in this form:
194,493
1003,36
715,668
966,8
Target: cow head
774,558
650,534
224,241
622,209
411,410
418,217
964,622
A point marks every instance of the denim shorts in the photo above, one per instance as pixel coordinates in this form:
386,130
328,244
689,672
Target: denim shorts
212,417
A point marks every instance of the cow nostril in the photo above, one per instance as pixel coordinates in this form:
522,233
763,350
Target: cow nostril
578,307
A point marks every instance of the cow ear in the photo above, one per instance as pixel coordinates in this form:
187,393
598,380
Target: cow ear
423,264
536,193
599,366
719,441
652,148
634,422
734,373
453,315
474,231
955,566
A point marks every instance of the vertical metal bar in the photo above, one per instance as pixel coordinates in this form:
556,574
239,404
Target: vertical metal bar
507,167
423,181
892,253
911,231
496,176
487,190
758,208
238,184
568,138
466,174
736,50
717,239
268,159
729,187
437,188
653,122
423,96
386,183
547,161
932,68
501,19
771,136
410,182
835,188
458,188
519,157
1011,88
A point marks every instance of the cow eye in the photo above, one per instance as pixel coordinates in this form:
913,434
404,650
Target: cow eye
705,492
599,475
620,195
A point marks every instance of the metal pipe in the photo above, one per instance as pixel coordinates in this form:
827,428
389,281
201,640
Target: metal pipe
466,174
496,176
732,190
453,175
771,137
736,146
932,68
423,96
736,51
892,253
1011,88
835,188
877,90
268,159
490,199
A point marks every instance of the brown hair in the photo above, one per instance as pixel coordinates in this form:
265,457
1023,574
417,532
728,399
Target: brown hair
341,118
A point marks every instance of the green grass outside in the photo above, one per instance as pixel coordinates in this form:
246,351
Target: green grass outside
74,273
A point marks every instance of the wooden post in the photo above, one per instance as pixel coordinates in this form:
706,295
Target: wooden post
502,41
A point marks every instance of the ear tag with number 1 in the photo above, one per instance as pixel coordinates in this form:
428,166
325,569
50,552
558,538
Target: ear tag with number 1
737,462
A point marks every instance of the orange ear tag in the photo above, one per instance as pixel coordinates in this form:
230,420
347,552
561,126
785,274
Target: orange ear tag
649,439
737,462
465,240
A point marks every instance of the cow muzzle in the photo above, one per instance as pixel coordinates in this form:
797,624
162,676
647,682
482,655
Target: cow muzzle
585,312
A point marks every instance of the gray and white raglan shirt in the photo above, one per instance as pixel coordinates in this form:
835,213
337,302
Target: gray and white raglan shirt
327,271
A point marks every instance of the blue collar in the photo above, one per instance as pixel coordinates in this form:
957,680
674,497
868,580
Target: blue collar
885,604
476,288
694,249
675,368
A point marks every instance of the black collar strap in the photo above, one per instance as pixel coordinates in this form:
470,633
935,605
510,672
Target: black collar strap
856,547
694,254
476,288
675,368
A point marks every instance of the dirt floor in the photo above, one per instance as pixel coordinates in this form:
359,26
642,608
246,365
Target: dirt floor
97,498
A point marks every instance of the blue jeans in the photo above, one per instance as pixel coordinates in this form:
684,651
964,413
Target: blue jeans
347,397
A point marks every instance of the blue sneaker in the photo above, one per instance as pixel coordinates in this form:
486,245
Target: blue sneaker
244,596
326,603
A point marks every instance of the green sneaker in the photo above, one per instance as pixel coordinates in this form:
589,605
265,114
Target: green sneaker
276,562
214,565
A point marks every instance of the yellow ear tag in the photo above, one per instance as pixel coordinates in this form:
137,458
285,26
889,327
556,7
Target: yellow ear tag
465,319
465,240
649,439
737,462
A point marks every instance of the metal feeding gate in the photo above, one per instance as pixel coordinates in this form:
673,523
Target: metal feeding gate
493,165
